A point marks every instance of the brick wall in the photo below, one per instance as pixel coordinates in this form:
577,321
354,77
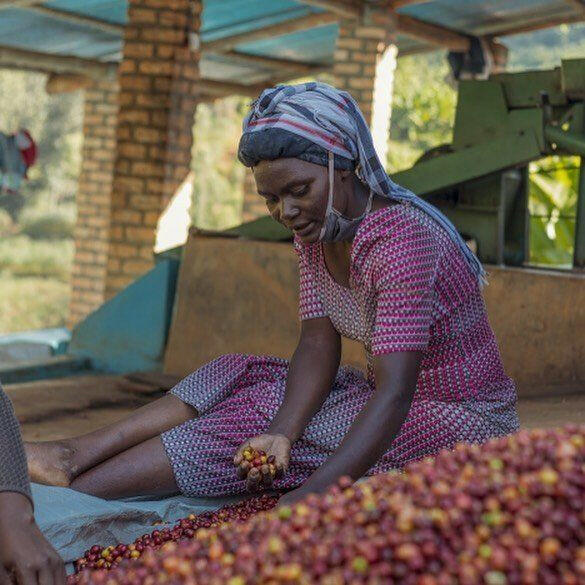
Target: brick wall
93,200
364,65
158,77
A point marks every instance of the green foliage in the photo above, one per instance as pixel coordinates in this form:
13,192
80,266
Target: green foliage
23,257
544,49
552,206
48,227
219,176
32,303
423,108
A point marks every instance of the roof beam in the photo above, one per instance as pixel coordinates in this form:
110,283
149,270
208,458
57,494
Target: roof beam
423,31
66,82
60,64
118,29
396,4
16,3
282,28
430,33
343,8
386,17
578,5
532,27
36,61
65,15
75,18
224,88
272,63
293,67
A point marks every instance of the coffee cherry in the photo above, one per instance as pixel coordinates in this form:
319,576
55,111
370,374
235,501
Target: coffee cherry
504,513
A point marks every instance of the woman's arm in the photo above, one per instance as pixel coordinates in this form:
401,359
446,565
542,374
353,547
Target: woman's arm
13,468
24,552
311,374
375,428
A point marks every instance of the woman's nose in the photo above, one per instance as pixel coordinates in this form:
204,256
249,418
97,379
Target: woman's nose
288,210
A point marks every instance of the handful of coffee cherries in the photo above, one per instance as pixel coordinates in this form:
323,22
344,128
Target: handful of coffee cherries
257,468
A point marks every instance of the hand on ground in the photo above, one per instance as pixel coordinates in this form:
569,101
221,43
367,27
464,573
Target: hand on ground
26,558
259,475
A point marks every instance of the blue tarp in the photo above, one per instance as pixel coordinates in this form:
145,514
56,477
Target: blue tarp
72,522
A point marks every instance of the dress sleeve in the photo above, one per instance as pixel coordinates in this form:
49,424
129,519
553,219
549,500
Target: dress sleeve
13,468
405,269
310,304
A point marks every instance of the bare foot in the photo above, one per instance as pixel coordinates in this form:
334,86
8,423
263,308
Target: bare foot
51,463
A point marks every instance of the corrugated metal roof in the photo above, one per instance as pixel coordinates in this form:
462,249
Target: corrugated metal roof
481,17
26,29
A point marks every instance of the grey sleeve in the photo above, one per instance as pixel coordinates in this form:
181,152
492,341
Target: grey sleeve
13,467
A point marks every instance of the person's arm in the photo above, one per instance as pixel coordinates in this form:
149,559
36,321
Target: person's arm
405,264
13,468
311,374
25,555
376,426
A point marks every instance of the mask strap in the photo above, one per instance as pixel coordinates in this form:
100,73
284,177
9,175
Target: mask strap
330,174
369,205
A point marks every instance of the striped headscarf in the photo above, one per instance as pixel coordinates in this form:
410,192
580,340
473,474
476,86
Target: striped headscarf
330,119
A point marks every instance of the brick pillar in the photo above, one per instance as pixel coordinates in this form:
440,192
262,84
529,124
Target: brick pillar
253,205
93,200
158,82
364,65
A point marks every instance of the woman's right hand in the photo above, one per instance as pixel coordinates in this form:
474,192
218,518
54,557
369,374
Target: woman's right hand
278,446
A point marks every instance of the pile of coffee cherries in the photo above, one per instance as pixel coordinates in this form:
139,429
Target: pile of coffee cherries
98,557
508,512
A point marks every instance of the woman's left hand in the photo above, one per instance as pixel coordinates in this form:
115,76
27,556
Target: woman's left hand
292,497
300,493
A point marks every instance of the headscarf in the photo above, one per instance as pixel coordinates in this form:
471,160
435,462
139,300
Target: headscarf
322,119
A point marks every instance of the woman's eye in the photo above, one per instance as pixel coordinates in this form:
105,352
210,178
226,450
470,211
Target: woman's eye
302,191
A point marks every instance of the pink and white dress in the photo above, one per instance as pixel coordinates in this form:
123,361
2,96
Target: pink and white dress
410,290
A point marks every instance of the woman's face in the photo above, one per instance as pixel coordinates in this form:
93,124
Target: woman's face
296,194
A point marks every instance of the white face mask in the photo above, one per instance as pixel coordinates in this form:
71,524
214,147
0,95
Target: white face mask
337,227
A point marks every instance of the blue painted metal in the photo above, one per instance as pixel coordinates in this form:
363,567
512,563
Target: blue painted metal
56,367
129,332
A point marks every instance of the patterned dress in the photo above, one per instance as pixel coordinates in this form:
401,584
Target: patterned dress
409,290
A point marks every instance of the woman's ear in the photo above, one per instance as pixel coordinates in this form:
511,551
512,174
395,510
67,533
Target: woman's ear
343,174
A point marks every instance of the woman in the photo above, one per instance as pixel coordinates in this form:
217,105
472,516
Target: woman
377,264
25,556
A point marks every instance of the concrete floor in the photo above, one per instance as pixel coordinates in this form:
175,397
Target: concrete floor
66,407
552,411
55,409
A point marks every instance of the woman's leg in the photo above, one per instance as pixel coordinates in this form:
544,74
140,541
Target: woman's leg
143,469
60,462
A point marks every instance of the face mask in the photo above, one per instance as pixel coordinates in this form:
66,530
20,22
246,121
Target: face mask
337,227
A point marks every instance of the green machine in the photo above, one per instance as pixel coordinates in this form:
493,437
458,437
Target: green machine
480,181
